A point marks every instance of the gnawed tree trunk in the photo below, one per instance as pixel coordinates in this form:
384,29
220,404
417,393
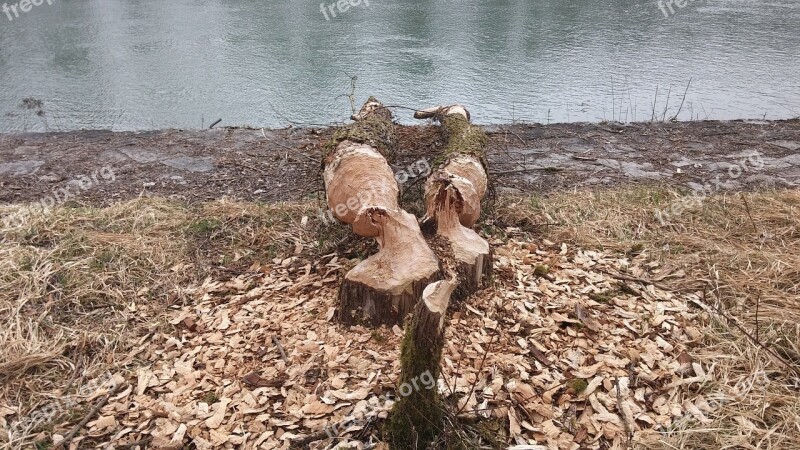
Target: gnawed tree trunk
361,190
416,418
453,194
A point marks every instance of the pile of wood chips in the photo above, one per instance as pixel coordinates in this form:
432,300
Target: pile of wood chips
569,349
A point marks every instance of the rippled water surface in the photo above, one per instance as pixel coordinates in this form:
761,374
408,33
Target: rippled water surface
147,64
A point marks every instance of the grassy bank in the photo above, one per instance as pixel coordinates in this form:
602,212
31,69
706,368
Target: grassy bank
81,289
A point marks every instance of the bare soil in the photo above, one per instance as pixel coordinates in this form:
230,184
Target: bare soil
284,164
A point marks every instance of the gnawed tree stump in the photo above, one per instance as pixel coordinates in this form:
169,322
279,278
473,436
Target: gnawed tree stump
453,194
384,288
417,418
361,191
471,252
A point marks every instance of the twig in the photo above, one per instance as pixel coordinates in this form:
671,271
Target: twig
280,349
747,208
752,338
630,102
613,99
214,124
142,442
475,381
758,302
655,100
675,117
508,153
246,166
516,135
77,428
276,143
622,277
401,107
303,443
352,95
74,372
666,106
293,150
608,130
528,169
408,189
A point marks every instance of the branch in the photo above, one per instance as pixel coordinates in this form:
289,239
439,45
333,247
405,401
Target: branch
77,428
732,321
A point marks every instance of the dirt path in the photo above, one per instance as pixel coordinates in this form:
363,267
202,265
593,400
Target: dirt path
276,165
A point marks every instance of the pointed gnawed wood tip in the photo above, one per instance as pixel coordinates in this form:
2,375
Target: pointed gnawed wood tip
437,297
441,111
370,106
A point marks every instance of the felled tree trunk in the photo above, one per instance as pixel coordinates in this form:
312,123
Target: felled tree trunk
453,194
416,418
361,191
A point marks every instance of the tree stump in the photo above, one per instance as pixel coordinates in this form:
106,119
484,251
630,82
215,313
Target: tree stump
453,195
361,190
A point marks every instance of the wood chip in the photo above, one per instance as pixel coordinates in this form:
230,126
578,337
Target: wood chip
585,362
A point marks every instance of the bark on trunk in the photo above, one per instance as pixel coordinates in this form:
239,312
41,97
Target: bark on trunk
416,418
453,195
361,191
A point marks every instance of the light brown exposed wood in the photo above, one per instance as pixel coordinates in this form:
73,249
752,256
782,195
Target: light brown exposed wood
453,195
466,175
471,252
357,179
430,113
384,288
362,191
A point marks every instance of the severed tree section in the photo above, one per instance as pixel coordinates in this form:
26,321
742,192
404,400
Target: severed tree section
417,417
361,191
453,194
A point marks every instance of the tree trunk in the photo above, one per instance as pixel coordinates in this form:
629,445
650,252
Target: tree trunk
361,191
416,418
453,195
402,277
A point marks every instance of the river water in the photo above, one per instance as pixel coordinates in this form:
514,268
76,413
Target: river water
151,64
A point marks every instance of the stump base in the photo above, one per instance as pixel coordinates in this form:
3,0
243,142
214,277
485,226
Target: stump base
473,277
383,288
360,304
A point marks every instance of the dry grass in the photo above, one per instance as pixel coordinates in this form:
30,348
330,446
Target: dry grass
80,287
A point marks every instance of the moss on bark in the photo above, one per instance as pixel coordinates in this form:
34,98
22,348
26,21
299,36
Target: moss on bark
417,419
462,137
373,127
